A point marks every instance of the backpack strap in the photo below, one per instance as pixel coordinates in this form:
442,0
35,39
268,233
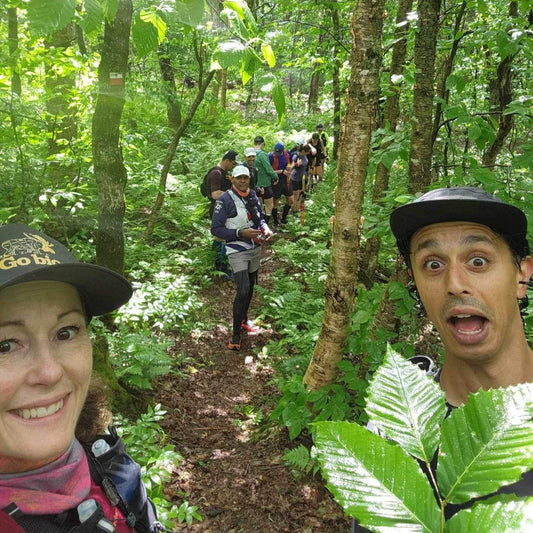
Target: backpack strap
7,522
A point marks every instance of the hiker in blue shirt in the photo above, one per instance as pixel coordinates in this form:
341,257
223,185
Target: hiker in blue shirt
239,221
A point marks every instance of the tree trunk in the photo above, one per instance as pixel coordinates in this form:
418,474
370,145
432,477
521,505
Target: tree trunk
336,81
169,83
421,150
13,38
171,150
442,91
391,113
314,88
62,123
501,95
108,162
341,283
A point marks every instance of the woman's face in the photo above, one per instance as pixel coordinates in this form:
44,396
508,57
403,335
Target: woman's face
45,368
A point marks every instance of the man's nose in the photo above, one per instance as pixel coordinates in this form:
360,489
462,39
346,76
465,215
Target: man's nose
457,279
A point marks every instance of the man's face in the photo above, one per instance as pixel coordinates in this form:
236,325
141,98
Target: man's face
241,183
229,164
468,283
250,160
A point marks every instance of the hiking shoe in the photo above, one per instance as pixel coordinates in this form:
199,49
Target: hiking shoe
249,327
234,344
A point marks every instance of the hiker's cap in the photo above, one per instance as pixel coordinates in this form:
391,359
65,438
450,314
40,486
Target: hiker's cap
240,170
278,148
230,155
250,151
319,127
458,204
259,140
27,254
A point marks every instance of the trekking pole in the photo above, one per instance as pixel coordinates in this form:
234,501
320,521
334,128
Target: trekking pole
302,202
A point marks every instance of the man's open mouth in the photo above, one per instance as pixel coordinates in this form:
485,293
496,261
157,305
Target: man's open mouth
467,324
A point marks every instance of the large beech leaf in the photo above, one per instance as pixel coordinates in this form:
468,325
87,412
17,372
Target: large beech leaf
46,18
407,405
507,515
486,443
374,480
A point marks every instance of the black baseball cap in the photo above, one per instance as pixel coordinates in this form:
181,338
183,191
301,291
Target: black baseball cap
231,155
259,140
457,204
27,254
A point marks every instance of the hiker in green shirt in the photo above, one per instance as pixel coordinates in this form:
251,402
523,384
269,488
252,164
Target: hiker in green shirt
266,177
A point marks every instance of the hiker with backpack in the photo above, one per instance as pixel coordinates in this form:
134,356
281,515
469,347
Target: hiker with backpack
298,176
266,177
238,220
280,160
60,471
215,182
316,161
249,162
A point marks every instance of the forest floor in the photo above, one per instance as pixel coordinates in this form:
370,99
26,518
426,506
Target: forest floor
233,468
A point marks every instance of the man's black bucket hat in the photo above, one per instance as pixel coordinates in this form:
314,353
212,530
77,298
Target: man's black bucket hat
457,204
27,254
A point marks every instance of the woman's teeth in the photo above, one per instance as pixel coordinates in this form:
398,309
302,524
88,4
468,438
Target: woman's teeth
40,412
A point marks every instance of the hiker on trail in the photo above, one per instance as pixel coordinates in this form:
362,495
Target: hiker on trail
316,161
218,182
323,138
238,220
249,161
266,177
218,177
298,175
56,475
468,258
280,160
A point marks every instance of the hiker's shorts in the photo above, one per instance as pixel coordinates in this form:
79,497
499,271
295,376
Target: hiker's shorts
245,260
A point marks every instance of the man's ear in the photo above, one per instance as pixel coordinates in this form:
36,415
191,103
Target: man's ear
526,271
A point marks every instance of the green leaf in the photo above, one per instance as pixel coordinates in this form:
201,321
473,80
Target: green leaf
93,18
279,99
47,16
486,443
407,405
159,24
375,481
243,11
190,12
230,53
144,36
268,54
110,9
508,515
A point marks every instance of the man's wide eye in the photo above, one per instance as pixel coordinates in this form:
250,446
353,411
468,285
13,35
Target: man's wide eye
432,264
478,261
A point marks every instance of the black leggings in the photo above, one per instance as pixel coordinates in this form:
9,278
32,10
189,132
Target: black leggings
245,282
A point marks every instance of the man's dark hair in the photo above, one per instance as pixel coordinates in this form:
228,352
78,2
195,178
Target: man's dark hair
230,155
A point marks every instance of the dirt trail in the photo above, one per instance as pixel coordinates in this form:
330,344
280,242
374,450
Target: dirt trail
231,470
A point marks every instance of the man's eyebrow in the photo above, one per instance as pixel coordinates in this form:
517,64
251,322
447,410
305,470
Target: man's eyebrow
465,241
428,243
